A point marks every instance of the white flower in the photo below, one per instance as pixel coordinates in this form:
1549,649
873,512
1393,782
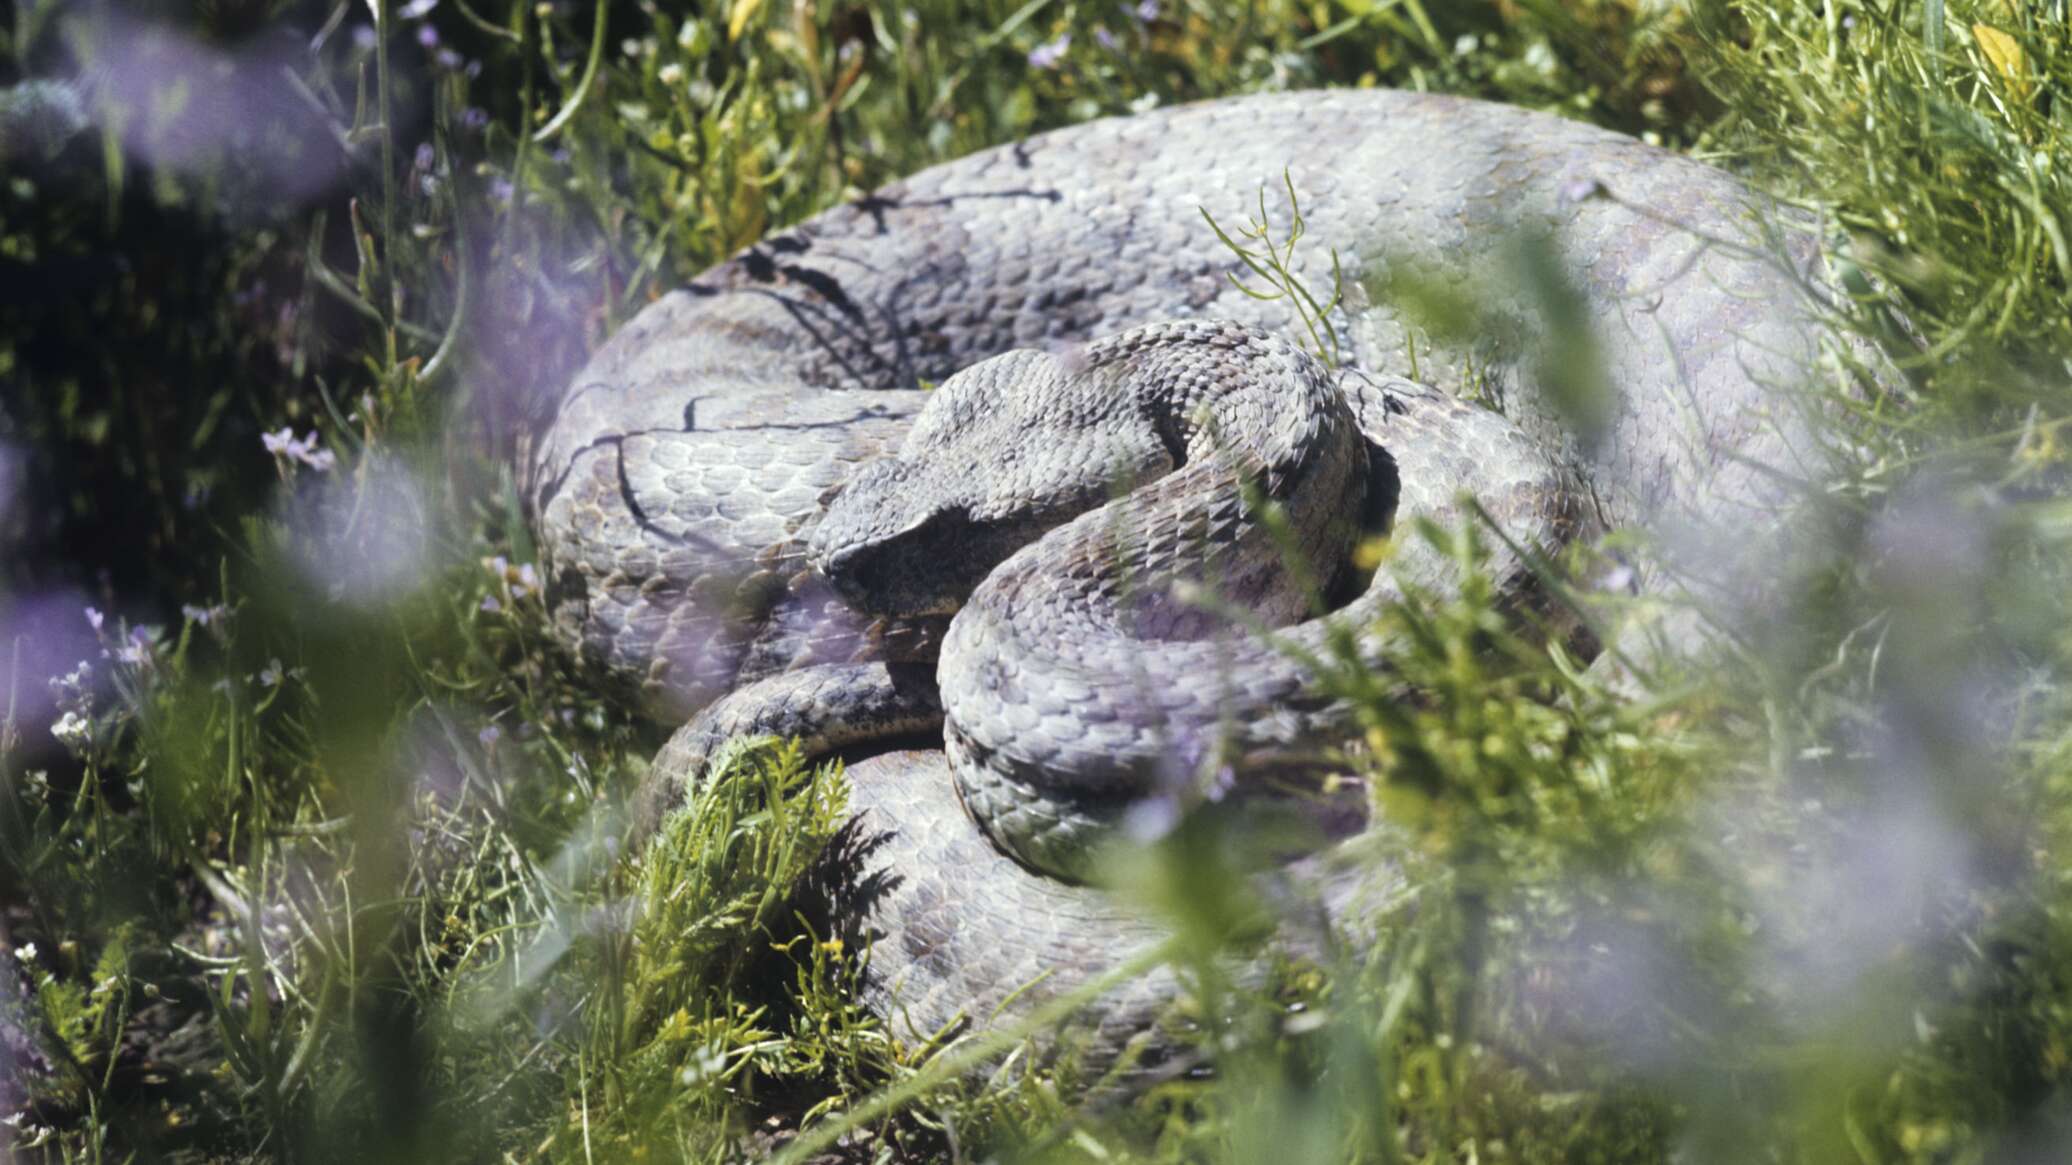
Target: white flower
202,616
670,74
25,953
75,732
285,446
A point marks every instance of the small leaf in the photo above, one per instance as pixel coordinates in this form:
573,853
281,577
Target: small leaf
1932,35
2006,56
744,11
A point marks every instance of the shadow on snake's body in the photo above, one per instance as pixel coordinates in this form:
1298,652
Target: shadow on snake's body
680,491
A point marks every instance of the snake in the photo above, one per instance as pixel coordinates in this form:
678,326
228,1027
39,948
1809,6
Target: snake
1017,484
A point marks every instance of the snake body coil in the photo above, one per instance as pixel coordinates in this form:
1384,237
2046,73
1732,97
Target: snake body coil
683,490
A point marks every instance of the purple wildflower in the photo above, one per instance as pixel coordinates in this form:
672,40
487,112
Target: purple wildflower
417,9
94,619
286,447
427,36
1049,56
140,648
1146,11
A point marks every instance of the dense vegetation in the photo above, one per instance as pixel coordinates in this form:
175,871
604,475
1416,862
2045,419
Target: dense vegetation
308,836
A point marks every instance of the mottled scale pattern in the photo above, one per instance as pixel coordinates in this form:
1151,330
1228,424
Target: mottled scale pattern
678,487
1065,708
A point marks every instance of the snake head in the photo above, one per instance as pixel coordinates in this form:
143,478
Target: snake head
892,546
1002,452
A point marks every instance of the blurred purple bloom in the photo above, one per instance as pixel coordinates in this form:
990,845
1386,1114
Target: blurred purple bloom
417,9
428,36
40,640
1146,11
490,605
425,157
474,118
363,37
500,190
1150,819
187,105
1048,56
1105,38
364,541
447,59
489,735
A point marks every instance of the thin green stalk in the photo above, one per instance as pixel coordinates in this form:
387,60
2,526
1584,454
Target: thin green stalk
590,66
388,170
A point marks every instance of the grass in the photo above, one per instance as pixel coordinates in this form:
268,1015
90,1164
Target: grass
320,861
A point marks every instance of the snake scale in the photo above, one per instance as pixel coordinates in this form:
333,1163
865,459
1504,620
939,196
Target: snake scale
753,515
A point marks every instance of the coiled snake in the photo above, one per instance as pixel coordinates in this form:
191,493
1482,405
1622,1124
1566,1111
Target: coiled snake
718,536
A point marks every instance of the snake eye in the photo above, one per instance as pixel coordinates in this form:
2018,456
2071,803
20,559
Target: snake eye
928,568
